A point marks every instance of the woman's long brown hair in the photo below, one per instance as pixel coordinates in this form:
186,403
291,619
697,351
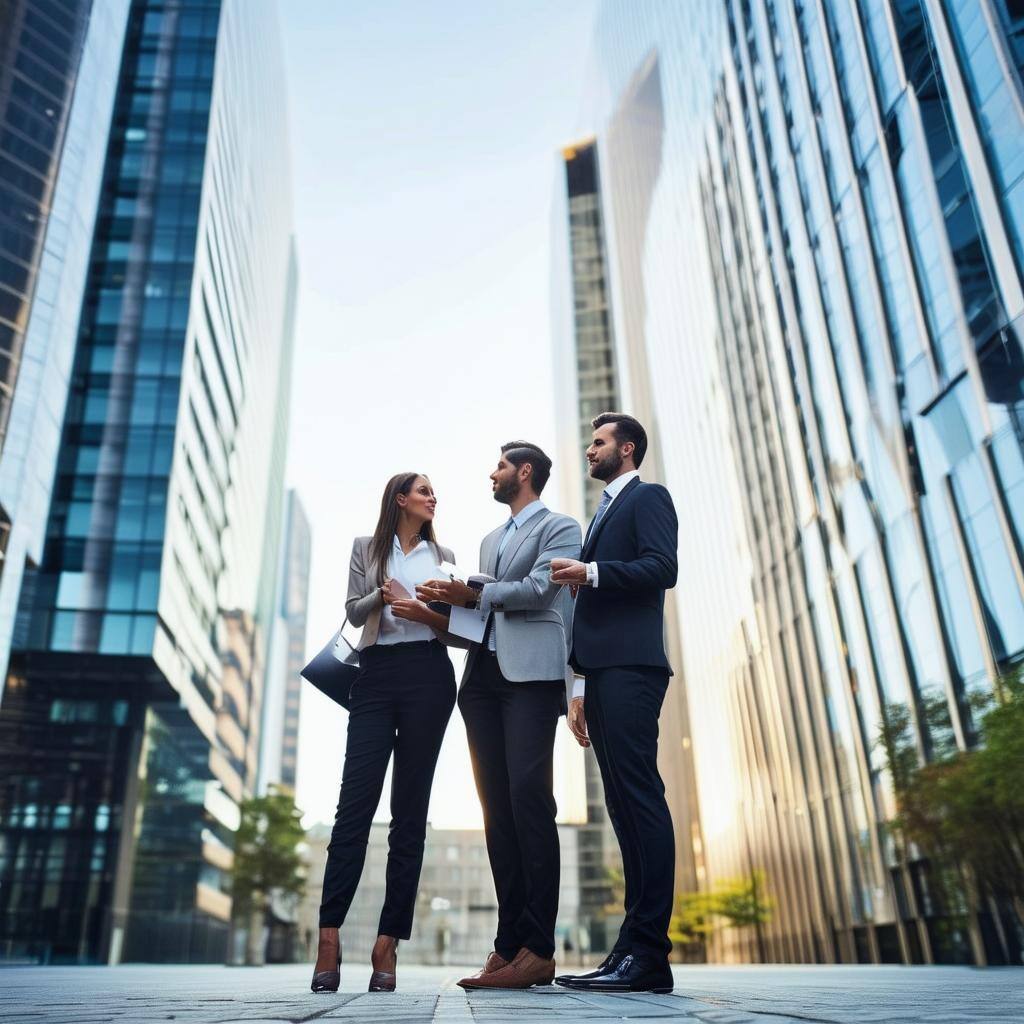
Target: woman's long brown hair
387,524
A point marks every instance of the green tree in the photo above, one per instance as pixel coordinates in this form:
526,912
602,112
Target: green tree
615,880
694,918
267,859
964,810
734,903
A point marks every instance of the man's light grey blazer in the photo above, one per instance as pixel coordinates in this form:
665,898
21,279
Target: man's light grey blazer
532,615
364,603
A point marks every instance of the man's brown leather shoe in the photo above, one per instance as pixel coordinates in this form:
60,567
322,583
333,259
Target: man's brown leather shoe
494,962
526,970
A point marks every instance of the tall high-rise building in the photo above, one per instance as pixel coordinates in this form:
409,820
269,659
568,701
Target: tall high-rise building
588,380
58,69
40,51
129,730
815,225
280,739
588,365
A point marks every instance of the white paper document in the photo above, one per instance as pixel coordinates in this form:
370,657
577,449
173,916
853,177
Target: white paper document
469,623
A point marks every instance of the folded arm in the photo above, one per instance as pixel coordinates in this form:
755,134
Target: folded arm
536,591
657,536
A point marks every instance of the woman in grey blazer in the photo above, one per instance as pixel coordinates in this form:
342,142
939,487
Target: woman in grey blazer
401,702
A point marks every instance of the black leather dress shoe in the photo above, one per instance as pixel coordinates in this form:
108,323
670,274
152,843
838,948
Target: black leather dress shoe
609,963
629,976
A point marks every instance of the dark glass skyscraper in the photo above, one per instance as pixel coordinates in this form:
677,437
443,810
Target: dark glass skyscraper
58,65
817,221
129,729
587,367
589,363
596,372
40,49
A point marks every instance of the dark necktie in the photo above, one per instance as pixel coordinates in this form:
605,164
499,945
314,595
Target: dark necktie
606,500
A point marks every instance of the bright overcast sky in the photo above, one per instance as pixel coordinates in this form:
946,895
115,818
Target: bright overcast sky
424,141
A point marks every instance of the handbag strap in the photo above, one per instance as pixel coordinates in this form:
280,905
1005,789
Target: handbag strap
342,639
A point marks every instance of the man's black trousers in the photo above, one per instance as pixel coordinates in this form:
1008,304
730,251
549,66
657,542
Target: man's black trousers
622,705
511,731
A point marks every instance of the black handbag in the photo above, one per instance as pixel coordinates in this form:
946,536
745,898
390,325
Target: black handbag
334,669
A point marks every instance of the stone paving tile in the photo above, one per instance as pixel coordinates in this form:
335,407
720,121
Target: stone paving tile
452,1005
705,995
379,1006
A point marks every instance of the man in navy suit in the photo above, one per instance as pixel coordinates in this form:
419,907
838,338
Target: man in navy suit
627,564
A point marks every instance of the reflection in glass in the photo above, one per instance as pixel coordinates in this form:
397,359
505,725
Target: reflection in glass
822,360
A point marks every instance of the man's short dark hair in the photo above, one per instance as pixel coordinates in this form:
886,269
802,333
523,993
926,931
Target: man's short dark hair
626,429
519,453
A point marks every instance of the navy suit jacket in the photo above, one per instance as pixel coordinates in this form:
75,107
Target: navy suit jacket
621,621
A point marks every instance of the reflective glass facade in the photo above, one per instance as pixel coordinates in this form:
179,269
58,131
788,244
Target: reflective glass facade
596,374
40,49
588,378
280,740
816,213
587,369
295,597
143,629
56,96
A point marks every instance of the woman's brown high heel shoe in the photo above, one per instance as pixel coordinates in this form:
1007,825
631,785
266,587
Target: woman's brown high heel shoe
383,981
327,981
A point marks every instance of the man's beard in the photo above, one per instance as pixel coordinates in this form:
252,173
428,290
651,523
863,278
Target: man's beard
507,492
606,468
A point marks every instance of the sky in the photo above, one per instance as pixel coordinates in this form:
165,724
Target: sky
424,144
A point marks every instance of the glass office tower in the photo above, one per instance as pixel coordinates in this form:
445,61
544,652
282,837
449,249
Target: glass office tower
588,382
595,373
40,50
58,69
129,729
295,599
815,212
280,741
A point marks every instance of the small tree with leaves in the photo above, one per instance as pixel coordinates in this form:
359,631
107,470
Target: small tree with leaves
964,810
735,903
615,894
693,921
267,859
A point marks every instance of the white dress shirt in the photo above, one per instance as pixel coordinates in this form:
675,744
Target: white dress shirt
613,490
511,529
410,569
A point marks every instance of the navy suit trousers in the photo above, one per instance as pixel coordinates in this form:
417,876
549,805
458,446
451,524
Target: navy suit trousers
622,705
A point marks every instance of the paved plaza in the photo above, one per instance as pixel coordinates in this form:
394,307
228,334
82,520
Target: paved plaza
713,995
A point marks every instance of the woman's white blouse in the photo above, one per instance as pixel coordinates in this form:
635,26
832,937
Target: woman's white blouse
410,569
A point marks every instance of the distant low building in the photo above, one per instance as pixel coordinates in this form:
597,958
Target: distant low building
456,908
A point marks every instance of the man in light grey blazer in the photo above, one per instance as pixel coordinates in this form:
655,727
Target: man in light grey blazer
512,692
